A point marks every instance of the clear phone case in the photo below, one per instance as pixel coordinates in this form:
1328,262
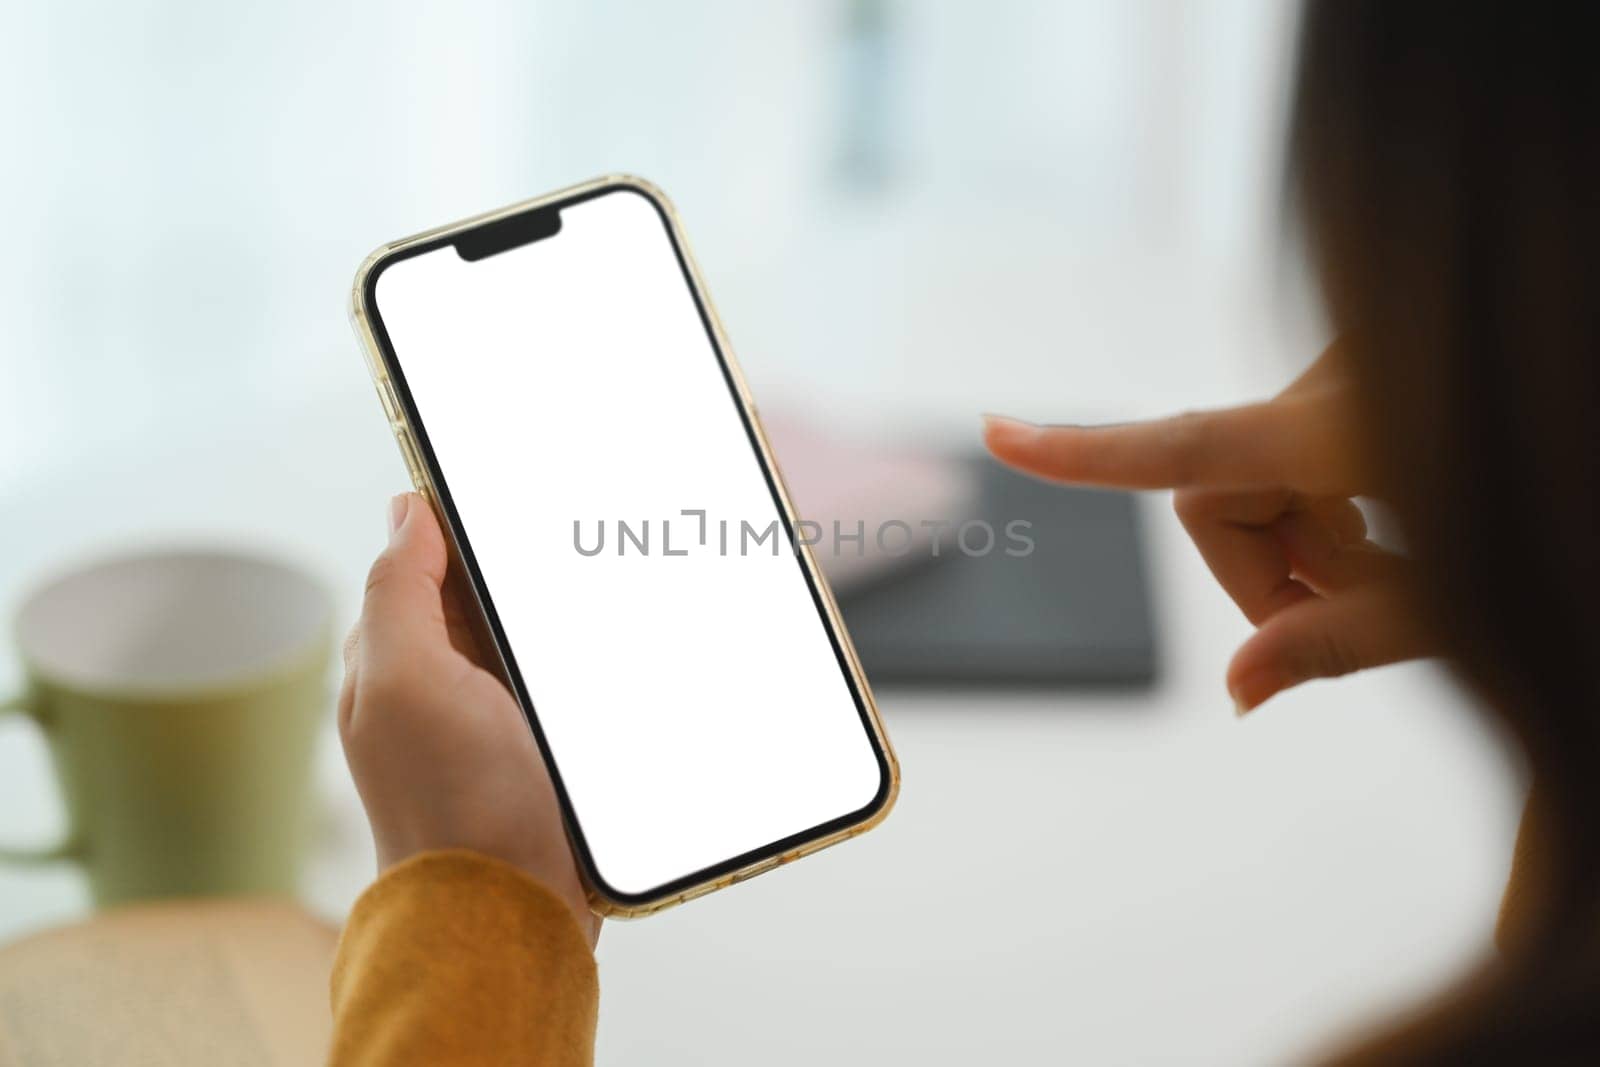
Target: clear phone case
361,318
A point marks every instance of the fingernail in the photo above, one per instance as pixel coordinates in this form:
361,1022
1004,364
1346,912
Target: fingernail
1248,693
397,512
1254,690
1005,424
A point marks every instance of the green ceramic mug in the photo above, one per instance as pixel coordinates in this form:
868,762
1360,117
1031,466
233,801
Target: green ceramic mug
180,695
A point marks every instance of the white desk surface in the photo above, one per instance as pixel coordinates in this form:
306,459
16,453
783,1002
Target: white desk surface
1087,877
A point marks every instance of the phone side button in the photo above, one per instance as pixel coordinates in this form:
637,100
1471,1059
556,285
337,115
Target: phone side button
408,450
391,406
761,868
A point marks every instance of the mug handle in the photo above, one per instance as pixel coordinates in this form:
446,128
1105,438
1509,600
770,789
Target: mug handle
69,847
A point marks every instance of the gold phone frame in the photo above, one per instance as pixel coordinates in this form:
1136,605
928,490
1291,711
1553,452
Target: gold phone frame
422,477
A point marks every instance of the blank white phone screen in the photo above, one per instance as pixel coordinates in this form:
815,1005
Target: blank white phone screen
683,676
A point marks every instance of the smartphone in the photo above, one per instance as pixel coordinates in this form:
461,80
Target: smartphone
563,395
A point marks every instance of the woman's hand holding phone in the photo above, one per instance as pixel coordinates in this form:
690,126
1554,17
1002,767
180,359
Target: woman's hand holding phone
438,747
1266,492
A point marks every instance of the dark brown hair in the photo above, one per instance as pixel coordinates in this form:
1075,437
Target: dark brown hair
1446,165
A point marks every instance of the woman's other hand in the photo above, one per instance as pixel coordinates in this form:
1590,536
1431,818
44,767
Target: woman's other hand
438,747
1266,492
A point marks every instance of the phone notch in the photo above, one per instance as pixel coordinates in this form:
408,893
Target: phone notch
521,229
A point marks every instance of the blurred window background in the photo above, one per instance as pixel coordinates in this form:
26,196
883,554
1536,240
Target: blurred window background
910,210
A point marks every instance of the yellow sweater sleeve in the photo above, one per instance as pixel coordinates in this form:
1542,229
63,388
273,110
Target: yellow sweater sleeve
456,958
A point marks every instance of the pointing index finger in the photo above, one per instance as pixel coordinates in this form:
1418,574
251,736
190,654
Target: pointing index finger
1284,442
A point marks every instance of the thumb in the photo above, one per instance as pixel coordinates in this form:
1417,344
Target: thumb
403,604
1318,638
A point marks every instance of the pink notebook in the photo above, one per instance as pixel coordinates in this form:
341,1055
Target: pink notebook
900,492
